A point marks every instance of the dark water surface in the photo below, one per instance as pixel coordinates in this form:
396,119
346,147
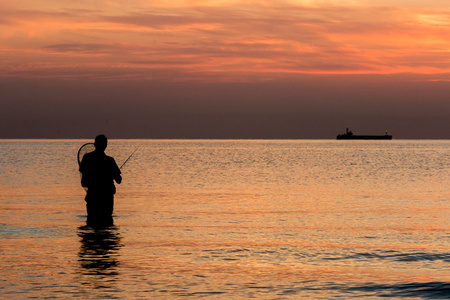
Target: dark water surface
230,220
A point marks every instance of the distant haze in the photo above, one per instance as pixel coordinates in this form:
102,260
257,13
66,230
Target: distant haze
224,69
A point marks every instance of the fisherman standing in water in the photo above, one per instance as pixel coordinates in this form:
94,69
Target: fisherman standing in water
99,172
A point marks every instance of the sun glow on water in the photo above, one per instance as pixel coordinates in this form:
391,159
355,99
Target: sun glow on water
230,219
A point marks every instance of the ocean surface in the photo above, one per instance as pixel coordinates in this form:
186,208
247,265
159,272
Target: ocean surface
230,219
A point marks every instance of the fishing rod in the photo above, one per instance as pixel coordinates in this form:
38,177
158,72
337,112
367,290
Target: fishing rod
128,158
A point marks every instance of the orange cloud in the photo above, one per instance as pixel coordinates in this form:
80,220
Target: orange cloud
232,40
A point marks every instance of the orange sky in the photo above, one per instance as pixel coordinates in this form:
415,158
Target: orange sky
222,40
130,47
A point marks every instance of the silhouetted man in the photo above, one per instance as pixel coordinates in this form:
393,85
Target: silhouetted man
99,172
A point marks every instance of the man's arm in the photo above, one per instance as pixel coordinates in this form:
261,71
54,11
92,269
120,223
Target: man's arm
84,176
117,177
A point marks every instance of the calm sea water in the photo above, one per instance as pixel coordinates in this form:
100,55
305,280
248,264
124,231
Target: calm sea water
230,220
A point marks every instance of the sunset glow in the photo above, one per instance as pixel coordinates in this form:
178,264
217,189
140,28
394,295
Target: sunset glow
224,69
221,40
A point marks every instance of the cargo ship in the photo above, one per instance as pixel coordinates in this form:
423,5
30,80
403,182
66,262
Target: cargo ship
348,135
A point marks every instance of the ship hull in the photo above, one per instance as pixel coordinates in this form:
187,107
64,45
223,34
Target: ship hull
364,137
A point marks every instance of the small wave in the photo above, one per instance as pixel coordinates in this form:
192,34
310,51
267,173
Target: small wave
396,256
424,290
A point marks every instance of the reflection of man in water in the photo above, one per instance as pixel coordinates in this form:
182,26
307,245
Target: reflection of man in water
98,174
99,251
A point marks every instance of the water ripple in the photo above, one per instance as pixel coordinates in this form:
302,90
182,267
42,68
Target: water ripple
424,290
396,256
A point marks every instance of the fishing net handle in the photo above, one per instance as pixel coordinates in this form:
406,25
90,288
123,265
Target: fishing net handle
82,149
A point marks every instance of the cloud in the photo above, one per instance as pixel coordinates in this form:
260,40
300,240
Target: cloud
227,39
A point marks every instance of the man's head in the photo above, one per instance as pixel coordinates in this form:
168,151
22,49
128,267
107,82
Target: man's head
100,142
